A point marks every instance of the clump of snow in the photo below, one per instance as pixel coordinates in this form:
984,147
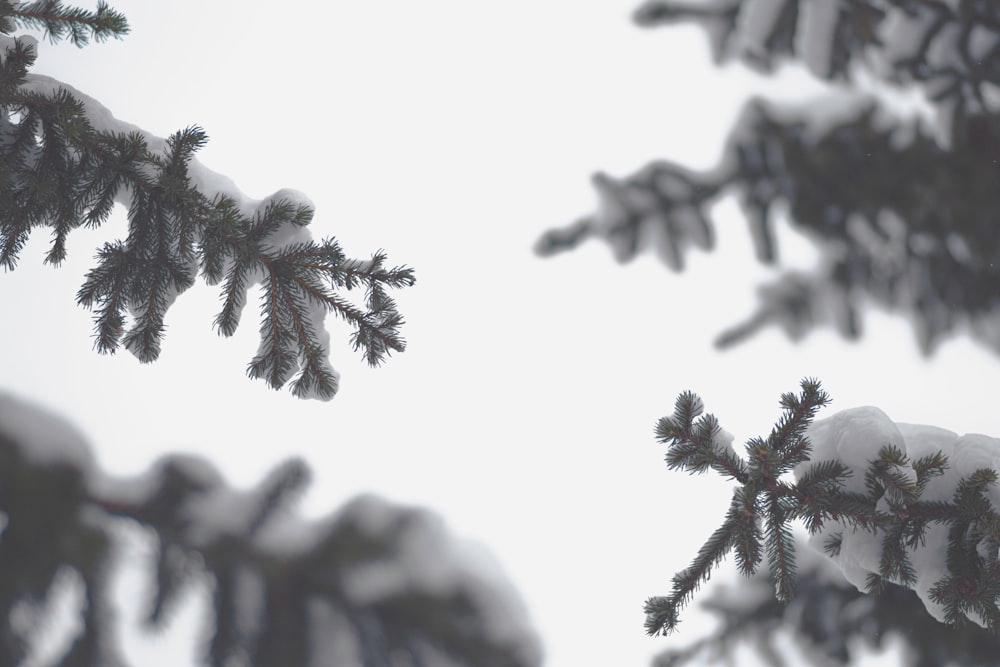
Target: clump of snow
854,438
757,20
51,627
8,42
815,35
723,442
901,35
290,537
981,42
427,558
944,52
991,95
288,233
41,437
420,554
737,596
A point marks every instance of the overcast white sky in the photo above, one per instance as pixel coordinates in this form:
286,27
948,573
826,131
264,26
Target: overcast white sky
452,134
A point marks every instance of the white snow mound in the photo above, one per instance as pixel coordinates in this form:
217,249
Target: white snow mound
854,437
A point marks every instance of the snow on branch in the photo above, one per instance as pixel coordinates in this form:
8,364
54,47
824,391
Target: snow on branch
949,49
898,220
900,209
373,583
65,161
888,503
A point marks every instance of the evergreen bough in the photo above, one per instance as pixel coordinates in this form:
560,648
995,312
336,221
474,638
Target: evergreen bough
64,164
902,211
892,508
373,584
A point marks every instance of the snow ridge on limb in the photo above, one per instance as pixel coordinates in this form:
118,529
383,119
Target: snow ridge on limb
888,503
65,161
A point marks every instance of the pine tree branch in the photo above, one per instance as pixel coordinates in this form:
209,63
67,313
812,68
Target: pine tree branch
892,511
68,161
780,546
696,446
662,612
284,589
899,210
78,25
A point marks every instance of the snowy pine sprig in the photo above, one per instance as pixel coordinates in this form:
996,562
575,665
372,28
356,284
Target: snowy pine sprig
889,503
761,506
65,162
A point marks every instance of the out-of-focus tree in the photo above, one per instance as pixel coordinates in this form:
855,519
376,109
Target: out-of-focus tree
903,211
371,585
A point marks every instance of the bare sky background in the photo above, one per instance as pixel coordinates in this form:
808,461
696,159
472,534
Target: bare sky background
452,134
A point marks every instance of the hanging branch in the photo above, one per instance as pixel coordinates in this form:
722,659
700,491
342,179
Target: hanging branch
65,161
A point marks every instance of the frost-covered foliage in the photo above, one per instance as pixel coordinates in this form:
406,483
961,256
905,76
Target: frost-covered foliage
66,161
902,211
888,503
371,585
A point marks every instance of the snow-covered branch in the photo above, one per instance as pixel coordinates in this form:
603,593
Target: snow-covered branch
889,503
366,583
889,173
67,160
